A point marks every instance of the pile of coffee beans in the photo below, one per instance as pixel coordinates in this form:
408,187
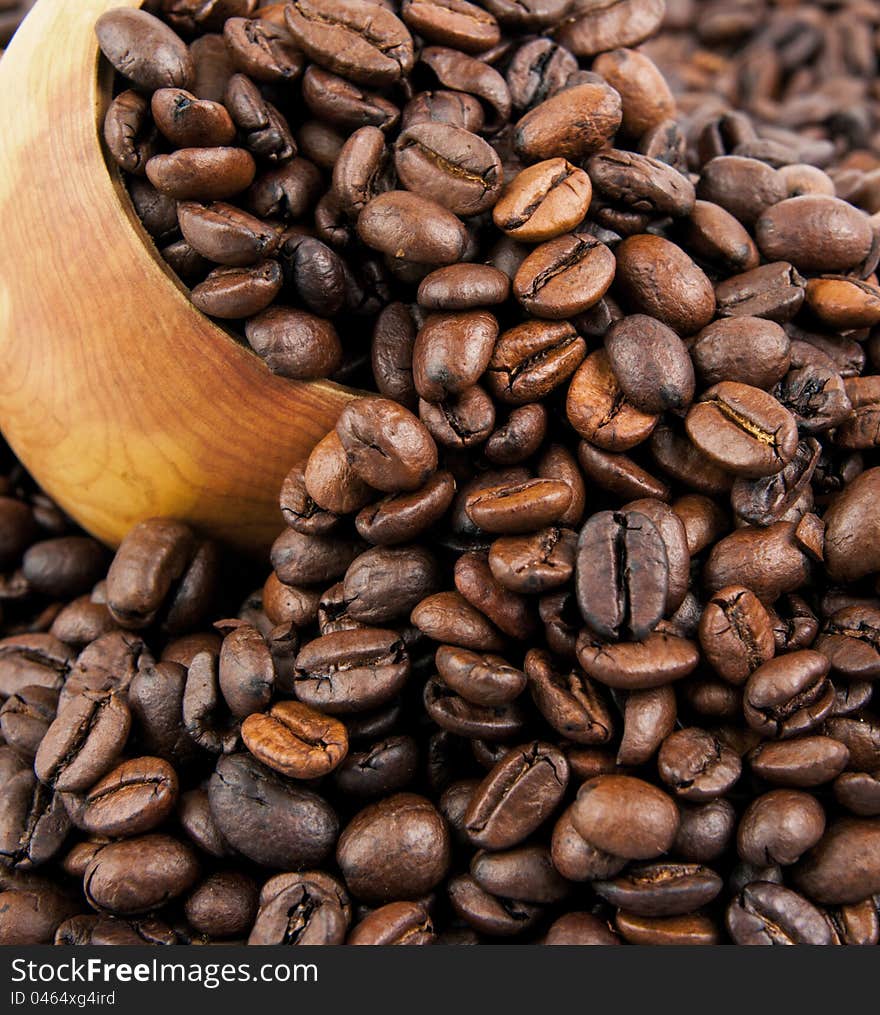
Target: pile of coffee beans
572,627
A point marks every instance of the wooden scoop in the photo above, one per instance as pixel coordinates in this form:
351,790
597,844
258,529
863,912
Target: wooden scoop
121,399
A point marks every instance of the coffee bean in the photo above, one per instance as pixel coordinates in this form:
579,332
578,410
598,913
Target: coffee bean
449,165
597,27
814,233
132,799
267,818
564,276
414,853
386,445
517,796
547,130
295,740
622,575
543,201
769,914
625,816
137,875
413,227
651,364
359,40
779,827
660,280
144,49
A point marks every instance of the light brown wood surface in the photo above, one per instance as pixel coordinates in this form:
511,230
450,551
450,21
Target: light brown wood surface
121,399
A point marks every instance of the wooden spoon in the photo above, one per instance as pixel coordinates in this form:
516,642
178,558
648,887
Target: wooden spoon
121,399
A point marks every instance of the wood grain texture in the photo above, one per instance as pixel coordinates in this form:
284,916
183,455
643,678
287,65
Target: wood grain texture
121,399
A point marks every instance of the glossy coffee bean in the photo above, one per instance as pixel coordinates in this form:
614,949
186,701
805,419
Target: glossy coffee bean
295,740
414,854
517,796
626,817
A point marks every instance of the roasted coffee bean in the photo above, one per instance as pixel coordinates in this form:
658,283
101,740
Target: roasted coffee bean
773,291
456,715
262,50
517,796
534,563
779,827
134,798
463,287
734,559
651,364
594,27
33,660
144,49
520,507
223,905
83,741
814,233
715,236
386,445
524,874
850,529
641,184
569,701
25,717
747,350
788,695
351,670
232,293
301,909
769,914
190,122
645,95
414,851
509,612
804,761
224,234
742,186
842,868
463,73
743,429
850,640
622,575
580,929
696,765
736,633
264,131
401,517
449,165
649,718
451,352
532,359
660,280
543,201
657,660
626,817
564,276
33,821
397,923
138,875
597,408
357,39
202,174
488,914
295,740
482,679
546,131
661,889
64,567
412,227
130,133
267,818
